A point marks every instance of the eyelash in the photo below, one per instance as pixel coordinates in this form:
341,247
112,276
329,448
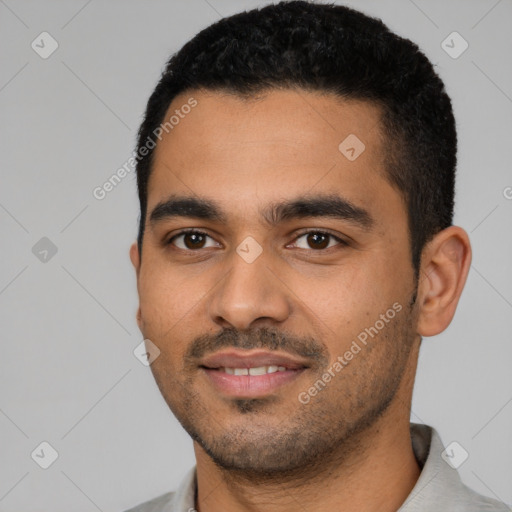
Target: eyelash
340,241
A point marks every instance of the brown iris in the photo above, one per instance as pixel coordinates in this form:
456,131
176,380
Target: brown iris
196,240
318,240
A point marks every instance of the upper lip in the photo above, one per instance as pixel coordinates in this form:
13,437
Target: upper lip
252,359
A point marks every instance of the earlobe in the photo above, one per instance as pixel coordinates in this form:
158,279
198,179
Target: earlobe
446,262
138,316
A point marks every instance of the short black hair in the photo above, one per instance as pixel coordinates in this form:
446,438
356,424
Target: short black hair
328,48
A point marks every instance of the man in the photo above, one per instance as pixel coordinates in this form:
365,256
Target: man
296,169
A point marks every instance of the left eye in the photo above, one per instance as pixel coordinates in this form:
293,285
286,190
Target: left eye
319,240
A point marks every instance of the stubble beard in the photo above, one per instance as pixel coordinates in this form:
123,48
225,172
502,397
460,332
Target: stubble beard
311,438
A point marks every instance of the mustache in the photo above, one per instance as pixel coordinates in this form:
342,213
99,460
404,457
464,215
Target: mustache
263,338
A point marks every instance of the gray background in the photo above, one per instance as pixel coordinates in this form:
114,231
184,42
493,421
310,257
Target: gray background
68,373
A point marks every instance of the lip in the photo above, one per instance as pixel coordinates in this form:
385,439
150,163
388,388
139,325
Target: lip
252,359
250,386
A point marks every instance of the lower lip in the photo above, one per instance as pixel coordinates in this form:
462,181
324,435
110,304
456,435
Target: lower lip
250,386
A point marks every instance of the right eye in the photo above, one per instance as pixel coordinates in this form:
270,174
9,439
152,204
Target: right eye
190,240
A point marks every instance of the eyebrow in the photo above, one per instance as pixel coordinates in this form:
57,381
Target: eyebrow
332,206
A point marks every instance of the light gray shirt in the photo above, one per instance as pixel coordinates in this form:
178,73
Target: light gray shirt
438,489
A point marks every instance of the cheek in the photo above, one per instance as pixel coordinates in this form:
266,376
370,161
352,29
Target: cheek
347,299
341,293
165,297
165,304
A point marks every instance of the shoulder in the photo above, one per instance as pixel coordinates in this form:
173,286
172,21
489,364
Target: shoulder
471,501
181,499
154,505
439,486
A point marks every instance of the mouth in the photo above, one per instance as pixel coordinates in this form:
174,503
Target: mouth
251,375
258,370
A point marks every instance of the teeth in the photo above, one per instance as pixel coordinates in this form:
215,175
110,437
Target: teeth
260,370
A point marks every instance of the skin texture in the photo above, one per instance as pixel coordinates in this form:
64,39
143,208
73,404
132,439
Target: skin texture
352,438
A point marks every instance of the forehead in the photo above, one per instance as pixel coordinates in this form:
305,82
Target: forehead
279,145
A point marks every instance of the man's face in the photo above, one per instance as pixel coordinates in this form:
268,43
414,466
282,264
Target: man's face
276,285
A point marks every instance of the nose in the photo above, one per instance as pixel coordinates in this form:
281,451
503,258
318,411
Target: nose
250,294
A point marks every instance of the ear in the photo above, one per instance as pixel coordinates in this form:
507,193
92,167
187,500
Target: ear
445,264
135,259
